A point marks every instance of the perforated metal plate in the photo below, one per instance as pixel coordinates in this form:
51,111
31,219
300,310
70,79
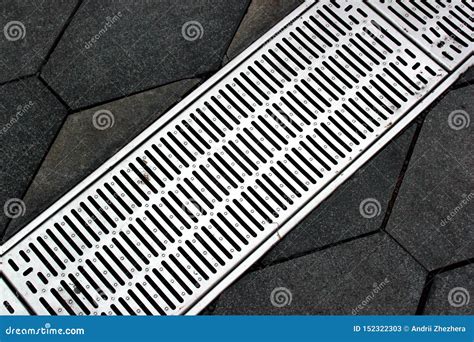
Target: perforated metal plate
170,220
444,28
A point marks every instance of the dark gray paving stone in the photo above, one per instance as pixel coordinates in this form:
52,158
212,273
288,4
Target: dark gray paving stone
340,217
261,16
30,117
80,147
367,276
433,215
451,293
24,45
139,45
467,78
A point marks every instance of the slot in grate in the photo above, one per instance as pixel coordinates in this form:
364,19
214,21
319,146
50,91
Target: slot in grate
167,223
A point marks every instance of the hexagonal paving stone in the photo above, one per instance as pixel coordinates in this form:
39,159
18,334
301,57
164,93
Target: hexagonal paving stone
28,31
433,215
347,212
30,117
116,48
84,143
371,275
452,293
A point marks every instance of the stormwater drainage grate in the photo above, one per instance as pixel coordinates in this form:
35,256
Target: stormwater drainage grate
445,29
186,207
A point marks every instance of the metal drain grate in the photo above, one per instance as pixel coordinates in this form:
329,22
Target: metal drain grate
187,206
444,28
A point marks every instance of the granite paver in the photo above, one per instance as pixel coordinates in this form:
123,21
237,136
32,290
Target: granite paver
30,117
451,293
433,215
28,31
116,48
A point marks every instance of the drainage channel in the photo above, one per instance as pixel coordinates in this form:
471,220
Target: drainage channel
177,215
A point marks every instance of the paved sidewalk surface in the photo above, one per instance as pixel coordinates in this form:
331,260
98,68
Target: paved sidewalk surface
136,59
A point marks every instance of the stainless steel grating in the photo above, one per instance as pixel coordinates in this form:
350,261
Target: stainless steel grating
444,28
169,221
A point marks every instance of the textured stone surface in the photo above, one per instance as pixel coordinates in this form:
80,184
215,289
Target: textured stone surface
467,78
139,45
80,148
451,293
261,16
340,216
30,117
40,23
433,215
373,272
